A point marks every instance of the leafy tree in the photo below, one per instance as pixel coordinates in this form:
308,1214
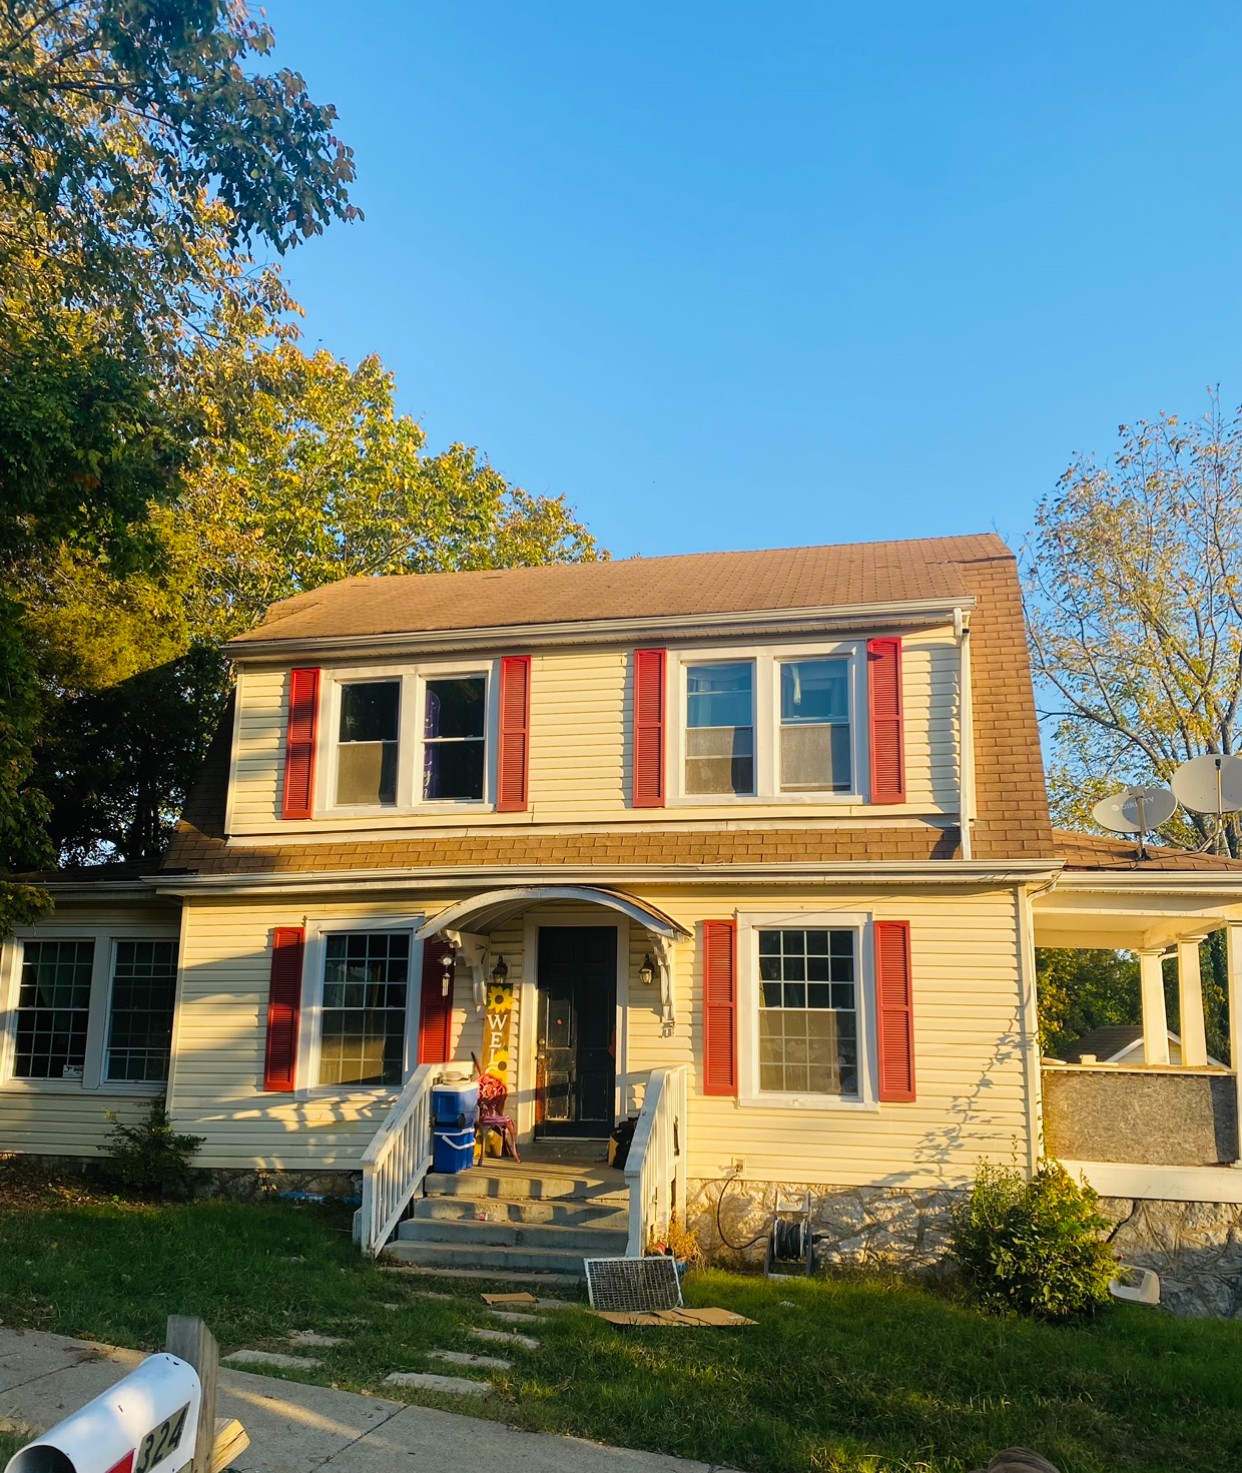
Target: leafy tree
304,474
145,146
1134,616
1082,990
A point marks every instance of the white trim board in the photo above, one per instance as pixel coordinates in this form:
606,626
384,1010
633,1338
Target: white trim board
1161,1183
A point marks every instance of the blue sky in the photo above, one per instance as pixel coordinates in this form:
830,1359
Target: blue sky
745,275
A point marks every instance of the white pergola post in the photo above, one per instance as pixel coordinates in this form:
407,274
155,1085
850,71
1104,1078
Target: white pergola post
1233,953
1155,1014
1190,1003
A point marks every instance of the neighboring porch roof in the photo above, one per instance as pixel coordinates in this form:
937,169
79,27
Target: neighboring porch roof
1107,897
493,907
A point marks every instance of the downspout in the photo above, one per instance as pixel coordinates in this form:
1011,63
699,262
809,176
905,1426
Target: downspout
966,732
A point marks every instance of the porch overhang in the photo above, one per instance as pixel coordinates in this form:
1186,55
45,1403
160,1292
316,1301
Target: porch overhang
467,925
494,907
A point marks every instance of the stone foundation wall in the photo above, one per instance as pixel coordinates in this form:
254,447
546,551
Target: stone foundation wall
864,1226
1195,1247
235,1184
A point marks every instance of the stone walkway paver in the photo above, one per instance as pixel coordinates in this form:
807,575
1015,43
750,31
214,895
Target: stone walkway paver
296,1428
510,1318
506,1337
429,1381
464,1358
271,1358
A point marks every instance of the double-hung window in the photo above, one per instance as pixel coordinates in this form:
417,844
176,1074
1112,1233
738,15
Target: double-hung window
777,725
363,1010
407,739
367,743
720,728
95,1011
808,1012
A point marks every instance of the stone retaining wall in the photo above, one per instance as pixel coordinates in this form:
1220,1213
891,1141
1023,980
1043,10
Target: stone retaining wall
1195,1247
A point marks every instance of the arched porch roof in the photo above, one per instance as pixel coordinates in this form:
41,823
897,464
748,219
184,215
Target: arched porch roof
492,908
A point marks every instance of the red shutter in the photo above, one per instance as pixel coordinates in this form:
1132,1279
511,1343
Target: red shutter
435,1014
894,990
887,738
300,735
513,758
649,691
284,1005
719,1008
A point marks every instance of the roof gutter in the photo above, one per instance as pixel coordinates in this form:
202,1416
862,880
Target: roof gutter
886,872
819,619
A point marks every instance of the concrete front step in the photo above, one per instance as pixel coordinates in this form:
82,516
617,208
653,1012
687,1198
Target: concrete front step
497,1262
493,1275
563,1212
588,1241
535,1184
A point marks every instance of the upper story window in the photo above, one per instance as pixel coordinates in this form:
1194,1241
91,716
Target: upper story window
368,739
454,740
403,739
777,725
93,1011
720,728
815,726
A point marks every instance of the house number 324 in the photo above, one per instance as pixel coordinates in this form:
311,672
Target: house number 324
160,1443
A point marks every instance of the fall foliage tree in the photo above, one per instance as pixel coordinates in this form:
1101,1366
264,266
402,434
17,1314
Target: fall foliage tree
147,147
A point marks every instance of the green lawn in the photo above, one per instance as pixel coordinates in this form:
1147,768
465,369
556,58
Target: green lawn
845,1375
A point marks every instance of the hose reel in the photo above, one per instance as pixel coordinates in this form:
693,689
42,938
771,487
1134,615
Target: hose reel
791,1244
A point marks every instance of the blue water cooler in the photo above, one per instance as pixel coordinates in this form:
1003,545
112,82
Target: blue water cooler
454,1110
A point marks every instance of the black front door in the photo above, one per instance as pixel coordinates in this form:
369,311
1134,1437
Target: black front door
576,1062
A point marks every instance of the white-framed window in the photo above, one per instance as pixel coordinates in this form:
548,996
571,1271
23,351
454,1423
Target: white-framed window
405,739
805,1002
90,1011
775,725
360,1004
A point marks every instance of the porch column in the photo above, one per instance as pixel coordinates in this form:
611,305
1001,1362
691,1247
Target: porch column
1155,1015
1233,954
1190,1003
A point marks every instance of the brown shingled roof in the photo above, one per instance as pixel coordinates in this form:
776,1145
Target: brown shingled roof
1012,807
774,579
1095,852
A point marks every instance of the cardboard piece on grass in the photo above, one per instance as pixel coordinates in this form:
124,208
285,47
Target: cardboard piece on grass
508,1299
696,1318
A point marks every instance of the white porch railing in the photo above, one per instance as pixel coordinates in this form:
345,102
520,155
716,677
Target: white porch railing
396,1161
655,1169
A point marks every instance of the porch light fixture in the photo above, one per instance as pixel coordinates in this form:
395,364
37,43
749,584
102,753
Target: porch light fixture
500,971
446,977
646,973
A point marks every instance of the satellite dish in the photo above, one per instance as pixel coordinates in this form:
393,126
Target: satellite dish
1211,784
1137,810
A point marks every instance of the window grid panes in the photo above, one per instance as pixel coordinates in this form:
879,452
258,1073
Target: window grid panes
366,770
808,1012
53,1009
454,719
720,728
144,980
365,985
815,726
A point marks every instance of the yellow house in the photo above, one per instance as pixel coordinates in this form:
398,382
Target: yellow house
753,847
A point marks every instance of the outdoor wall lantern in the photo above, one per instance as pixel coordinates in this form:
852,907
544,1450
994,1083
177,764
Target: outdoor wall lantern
500,972
446,978
646,973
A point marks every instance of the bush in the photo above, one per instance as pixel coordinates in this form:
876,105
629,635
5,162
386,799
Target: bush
151,1158
1033,1246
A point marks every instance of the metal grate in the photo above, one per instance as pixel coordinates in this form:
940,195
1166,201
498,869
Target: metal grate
633,1284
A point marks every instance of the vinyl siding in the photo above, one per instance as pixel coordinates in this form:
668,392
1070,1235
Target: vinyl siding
580,751
968,1045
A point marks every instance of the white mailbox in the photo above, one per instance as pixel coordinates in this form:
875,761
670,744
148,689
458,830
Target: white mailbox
146,1423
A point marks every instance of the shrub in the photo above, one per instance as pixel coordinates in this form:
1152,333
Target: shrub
1033,1246
151,1158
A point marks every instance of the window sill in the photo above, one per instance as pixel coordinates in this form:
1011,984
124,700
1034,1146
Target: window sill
793,800
76,1087
437,808
823,1103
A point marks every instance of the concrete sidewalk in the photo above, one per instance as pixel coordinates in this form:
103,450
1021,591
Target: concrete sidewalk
295,1428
